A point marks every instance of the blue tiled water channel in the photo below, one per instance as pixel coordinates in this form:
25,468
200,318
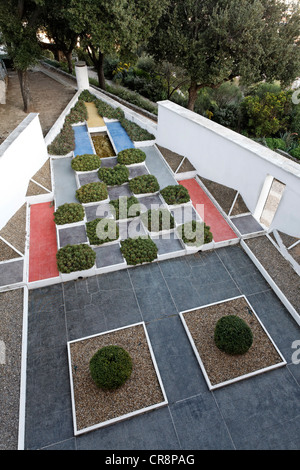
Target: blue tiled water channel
82,140
119,136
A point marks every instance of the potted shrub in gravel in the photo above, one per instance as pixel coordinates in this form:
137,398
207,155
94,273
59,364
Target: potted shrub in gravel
233,335
131,156
158,220
144,184
110,367
92,192
138,250
86,162
195,235
117,175
69,213
174,195
75,260
101,231
125,207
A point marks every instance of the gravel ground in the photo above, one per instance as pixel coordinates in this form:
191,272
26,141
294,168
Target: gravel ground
15,230
277,267
221,367
11,313
34,189
174,160
6,252
43,175
142,389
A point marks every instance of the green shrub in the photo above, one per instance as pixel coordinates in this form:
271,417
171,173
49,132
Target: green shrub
86,162
68,213
101,231
274,143
157,220
130,156
110,367
92,192
122,207
175,194
144,184
233,335
119,174
295,153
139,250
195,233
72,258
135,132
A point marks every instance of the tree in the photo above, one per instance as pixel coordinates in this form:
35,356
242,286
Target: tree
57,25
18,23
107,26
218,41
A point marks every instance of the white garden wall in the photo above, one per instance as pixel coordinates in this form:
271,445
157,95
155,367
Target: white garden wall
22,154
231,159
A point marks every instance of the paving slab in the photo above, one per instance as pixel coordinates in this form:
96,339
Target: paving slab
108,255
115,192
109,162
65,184
150,202
98,211
11,272
137,171
167,243
72,235
131,228
158,167
247,224
88,177
184,214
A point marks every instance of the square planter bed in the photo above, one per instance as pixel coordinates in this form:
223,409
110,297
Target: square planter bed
145,185
222,368
76,261
185,213
108,232
94,407
195,236
175,196
85,163
92,192
131,156
158,221
69,215
125,208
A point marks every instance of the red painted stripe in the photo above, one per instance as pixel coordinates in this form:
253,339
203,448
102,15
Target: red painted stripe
42,243
220,229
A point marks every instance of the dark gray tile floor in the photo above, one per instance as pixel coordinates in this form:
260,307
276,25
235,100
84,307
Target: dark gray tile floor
88,177
115,192
11,272
138,170
72,235
98,211
262,412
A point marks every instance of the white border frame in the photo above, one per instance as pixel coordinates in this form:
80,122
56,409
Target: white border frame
241,377
127,415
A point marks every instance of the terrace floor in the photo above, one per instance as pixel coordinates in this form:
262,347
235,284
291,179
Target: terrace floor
261,412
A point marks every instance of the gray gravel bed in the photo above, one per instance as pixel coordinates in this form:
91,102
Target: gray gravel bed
280,270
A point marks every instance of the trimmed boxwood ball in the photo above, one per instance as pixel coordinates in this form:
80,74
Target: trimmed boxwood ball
139,250
72,258
175,194
195,233
130,156
92,192
110,367
86,162
69,213
233,335
114,176
144,184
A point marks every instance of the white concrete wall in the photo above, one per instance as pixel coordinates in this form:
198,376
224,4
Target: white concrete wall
229,158
22,154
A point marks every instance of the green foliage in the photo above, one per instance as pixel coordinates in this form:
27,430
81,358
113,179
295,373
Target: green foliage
175,194
86,162
64,142
130,156
110,367
195,233
233,335
274,143
101,231
132,97
268,115
135,132
125,207
139,250
144,184
157,220
68,213
92,192
295,153
72,258
114,176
